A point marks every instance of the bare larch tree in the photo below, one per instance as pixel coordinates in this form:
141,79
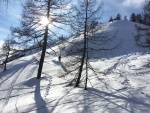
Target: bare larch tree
35,31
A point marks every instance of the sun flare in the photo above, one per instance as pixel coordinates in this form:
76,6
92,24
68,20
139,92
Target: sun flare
44,21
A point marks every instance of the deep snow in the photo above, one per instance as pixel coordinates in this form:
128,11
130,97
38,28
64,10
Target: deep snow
123,88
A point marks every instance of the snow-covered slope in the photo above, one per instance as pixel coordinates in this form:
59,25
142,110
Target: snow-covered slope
110,40
123,88
126,32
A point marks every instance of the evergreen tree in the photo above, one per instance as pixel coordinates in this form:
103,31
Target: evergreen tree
133,17
118,17
111,19
139,18
125,18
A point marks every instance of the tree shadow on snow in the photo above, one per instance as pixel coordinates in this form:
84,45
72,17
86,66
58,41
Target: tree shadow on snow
14,68
61,64
18,68
115,102
114,46
40,103
59,103
56,62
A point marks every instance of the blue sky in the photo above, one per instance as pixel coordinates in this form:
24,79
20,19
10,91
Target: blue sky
10,16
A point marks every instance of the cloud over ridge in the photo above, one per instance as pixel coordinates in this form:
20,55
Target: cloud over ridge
133,3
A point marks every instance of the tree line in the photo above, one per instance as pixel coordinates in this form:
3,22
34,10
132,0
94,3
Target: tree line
133,18
143,18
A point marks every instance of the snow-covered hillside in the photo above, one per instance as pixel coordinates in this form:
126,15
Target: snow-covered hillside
120,39
123,87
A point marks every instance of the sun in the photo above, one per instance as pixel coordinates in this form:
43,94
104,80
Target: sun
44,21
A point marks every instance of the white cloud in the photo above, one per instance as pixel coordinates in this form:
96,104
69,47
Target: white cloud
133,3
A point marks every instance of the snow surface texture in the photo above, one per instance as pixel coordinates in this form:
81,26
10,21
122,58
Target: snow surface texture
123,88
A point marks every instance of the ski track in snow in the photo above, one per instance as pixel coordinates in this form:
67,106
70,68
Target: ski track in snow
24,78
17,78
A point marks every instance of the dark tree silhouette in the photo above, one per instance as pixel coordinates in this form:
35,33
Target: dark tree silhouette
133,17
111,19
36,31
118,17
125,18
139,18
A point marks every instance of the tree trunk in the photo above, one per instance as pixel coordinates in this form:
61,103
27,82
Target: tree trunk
44,44
43,54
86,78
81,66
84,49
5,62
87,57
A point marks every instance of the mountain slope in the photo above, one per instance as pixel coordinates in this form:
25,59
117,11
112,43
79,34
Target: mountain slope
118,38
126,31
123,88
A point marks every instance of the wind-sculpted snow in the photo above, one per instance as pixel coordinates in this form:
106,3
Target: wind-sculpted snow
122,86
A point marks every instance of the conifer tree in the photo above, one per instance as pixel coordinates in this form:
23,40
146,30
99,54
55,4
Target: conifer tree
118,17
133,17
125,18
111,19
